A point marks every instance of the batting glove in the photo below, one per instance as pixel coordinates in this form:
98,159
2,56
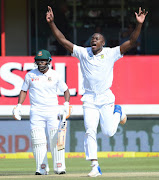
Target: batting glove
67,109
17,112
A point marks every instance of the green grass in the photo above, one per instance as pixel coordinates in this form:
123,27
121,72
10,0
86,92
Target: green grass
112,169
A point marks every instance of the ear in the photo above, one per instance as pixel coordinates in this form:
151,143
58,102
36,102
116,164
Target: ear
103,43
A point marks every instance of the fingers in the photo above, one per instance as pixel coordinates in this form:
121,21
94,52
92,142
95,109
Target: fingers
49,13
145,12
142,12
49,9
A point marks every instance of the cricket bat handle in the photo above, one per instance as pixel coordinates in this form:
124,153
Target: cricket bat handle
62,133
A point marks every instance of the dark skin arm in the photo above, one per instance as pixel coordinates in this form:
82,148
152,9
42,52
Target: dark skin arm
57,33
22,97
67,95
140,17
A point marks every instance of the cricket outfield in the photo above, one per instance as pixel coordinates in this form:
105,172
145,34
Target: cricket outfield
117,168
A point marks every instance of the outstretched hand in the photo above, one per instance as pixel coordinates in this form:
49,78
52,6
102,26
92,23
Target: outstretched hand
49,15
140,17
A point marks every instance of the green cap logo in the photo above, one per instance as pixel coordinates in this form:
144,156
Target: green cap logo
43,54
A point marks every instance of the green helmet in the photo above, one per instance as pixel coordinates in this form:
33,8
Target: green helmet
43,54
40,56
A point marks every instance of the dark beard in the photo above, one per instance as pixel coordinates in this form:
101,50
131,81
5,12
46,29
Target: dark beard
42,68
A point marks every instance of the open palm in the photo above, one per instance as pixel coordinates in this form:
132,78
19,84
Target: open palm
140,17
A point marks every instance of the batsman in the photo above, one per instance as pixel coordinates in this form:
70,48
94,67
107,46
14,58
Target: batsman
96,63
42,84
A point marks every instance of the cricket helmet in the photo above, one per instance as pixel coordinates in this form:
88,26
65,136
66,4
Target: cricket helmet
42,55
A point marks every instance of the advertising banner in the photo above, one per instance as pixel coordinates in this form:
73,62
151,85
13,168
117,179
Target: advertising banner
135,82
134,136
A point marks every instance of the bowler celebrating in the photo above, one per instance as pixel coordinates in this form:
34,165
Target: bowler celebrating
96,64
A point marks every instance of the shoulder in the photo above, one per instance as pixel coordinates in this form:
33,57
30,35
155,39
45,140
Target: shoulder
110,50
78,48
31,73
79,51
54,73
114,53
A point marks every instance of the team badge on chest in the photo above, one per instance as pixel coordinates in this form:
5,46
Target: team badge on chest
49,79
102,56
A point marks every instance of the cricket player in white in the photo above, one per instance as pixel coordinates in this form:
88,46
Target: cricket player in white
43,83
96,64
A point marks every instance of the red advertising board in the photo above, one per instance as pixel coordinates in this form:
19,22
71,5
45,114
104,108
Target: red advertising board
135,79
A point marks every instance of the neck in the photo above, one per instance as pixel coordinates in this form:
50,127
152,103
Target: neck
97,51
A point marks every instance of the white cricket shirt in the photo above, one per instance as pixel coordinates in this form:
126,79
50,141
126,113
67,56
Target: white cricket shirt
97,71
43,88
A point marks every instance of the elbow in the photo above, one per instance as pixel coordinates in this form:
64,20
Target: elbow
67,92
131,45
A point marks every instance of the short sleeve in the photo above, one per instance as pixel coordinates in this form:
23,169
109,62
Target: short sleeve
25,85
78,51
116,54
62,85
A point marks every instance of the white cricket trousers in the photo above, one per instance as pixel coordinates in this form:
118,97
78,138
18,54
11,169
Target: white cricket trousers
39,121
108,121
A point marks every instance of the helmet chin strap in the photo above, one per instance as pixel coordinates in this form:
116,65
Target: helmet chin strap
42,68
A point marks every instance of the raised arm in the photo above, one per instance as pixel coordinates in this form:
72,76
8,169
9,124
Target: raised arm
56,32
140,18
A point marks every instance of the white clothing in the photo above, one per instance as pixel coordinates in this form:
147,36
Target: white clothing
43,89
108,122
39,146
98,99
44,119
58,156
43,113
97,71
43,96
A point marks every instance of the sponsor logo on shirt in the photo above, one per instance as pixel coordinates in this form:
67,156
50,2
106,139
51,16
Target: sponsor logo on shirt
102,56
35,79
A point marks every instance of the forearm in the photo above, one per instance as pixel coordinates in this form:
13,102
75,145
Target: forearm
60,37
126,46
67,95
22,97
135,34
